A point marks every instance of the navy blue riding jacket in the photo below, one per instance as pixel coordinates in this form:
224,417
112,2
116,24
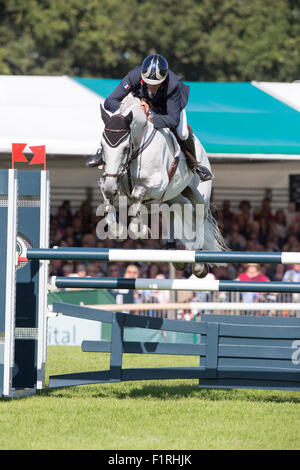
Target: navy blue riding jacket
170,99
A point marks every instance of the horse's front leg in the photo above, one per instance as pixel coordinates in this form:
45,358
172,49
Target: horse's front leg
138,227
115,230
107,203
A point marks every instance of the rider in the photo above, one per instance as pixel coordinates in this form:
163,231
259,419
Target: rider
162,91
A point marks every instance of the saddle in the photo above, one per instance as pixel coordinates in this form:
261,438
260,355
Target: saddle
187,147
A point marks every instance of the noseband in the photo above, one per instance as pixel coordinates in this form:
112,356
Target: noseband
114,137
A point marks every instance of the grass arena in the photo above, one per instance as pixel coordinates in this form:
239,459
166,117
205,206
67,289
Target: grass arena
235,387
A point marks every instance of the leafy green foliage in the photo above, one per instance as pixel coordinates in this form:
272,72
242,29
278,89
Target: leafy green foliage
217,40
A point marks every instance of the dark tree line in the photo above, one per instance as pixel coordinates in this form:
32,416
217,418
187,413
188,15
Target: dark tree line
203,40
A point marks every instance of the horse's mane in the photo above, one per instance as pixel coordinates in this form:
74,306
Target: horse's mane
128,103
132,103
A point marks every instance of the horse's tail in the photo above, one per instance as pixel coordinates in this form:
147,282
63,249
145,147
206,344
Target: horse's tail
213,238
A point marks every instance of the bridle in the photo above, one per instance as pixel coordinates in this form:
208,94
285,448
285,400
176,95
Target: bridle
125,165
132,151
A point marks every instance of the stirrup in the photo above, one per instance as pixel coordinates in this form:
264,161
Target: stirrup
95,160
203,173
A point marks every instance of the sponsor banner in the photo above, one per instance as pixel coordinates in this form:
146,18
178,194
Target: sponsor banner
68,331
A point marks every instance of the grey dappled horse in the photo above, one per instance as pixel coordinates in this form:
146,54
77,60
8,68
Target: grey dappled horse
140,162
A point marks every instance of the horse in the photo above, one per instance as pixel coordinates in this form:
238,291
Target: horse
148,167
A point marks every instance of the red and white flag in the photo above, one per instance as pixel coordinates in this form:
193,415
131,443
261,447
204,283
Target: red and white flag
17,154
39,154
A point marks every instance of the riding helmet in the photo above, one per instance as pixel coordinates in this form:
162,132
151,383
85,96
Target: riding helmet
154,69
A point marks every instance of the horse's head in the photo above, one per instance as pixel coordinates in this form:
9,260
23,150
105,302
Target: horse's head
116,149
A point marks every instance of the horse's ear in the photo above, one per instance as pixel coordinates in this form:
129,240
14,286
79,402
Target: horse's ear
105,116
129,118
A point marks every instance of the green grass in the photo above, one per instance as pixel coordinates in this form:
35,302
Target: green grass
146,415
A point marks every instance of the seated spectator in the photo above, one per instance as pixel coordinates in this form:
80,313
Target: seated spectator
67,206
227,215
131,272
235,235
113,270
234,243
253,245
291,243
62,217
88,241
224,272
164,269
243,221
68,231
252,273
56,268
161,296
291,213
275,271
257,230
293,275
272,243
77,230
245,210
265,210
153,270
81,270
68,268
92,270
280,225
109,243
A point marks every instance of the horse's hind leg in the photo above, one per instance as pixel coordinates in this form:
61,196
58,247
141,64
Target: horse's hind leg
212,237
181,227
199,195
171,244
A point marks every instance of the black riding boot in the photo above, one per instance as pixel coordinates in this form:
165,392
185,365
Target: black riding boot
188,147
95,160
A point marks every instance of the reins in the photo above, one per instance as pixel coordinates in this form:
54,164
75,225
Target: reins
134,151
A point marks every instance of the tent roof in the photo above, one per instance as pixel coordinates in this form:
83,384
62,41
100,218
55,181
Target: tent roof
54,111
236,120
239,119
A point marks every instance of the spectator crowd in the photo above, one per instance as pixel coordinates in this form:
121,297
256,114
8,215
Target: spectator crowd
244,229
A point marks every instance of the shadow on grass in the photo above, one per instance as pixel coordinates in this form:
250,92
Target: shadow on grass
168,391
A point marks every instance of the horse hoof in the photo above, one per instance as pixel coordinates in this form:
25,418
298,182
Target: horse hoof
171,246
138,231
200,270
113,231
144,232
179,266
122,232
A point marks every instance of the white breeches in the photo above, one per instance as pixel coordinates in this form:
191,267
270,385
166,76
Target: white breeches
182,129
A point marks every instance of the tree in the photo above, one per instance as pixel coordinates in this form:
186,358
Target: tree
222,40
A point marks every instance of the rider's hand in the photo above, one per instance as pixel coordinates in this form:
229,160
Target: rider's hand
145,107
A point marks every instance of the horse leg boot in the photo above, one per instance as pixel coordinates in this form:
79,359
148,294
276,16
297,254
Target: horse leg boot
138,228
189,150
